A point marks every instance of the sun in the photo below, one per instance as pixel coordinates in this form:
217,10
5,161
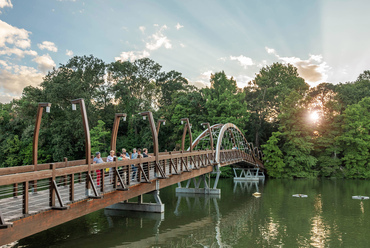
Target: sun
314,116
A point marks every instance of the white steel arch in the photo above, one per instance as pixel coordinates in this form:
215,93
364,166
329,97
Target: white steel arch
227,135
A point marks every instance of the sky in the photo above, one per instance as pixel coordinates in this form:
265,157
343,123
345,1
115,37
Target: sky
327,40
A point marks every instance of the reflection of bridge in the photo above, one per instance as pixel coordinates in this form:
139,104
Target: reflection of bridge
67,190
214,227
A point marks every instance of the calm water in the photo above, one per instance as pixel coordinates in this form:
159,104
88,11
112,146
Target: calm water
327,218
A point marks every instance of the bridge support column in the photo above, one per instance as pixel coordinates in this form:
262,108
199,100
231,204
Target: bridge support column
140,206
248,174
197,189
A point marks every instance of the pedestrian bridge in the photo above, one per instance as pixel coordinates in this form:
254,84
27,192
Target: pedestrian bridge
37,197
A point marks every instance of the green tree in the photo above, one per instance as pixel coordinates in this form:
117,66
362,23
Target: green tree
265,94
322,100
273,156
99,139
355,140
225,102
297,143
353,92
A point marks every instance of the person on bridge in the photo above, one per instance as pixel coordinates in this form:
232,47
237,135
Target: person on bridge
145,155
134,155
125,153
110,158
98,160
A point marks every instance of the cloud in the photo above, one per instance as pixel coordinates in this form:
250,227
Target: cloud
153,42
270,50
44,63
13,36
203,80
132,55
142,29
69,53
18,52
242,80
178,26
158,40
6,3
243,60
48,45
314,70
12,84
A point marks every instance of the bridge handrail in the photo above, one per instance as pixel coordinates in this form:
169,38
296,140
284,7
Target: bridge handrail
19,176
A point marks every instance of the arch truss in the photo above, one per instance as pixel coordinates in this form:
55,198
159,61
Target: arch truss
227,138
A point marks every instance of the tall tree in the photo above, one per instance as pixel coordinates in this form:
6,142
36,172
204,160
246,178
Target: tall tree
355,140
225,101
265,94
297,144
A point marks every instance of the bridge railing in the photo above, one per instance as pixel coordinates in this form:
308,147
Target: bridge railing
238,155
62,183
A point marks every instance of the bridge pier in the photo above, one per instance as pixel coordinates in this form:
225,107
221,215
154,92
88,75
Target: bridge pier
197,182
140,206
248,174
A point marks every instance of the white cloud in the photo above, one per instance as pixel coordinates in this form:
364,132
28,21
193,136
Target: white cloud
182,45
14,36
69,53
142,29
12,84
6,3
242,80
132,55
18,52
48,45
178,26
203,80
314,70
158,40
243,60
270,50
44,62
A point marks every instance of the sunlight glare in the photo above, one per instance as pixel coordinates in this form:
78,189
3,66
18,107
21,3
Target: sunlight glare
314,116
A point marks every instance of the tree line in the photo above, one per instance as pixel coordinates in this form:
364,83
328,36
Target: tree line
272,111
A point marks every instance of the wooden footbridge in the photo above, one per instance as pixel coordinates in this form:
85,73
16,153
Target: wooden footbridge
37,197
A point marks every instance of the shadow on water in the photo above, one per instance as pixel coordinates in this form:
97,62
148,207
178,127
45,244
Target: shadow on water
327,217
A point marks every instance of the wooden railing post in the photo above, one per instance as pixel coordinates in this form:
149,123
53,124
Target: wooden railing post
72,188
65,165
15,190
25,198
51,186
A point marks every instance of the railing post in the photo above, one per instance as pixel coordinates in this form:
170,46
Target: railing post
15,190
102,185
72,188
65,165
51,186
114,174
25,198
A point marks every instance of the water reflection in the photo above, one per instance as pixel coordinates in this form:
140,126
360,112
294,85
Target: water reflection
328,217
320,231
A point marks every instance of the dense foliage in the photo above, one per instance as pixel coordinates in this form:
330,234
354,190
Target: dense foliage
273,112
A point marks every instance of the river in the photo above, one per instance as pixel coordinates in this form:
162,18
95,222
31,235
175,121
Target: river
328,217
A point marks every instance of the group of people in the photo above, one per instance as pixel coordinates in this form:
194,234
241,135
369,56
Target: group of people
136,153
